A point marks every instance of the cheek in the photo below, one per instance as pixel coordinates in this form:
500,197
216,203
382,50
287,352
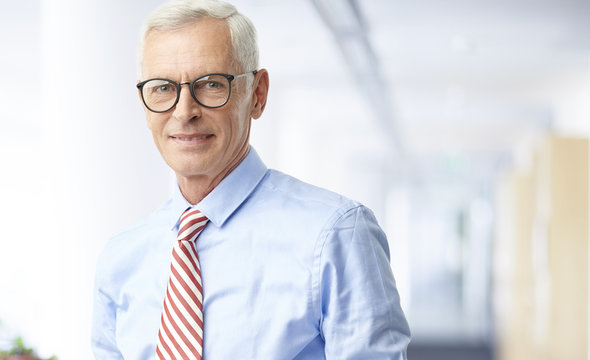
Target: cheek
155,122
239,128
240,123
149,121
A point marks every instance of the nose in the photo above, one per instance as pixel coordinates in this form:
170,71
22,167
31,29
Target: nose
186,108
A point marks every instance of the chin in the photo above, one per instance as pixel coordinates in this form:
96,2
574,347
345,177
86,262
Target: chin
191,170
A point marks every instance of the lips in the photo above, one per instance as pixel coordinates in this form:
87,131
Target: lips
191,138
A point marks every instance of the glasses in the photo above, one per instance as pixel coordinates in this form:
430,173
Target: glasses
211,91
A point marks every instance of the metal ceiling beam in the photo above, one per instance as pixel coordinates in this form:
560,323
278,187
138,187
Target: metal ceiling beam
343,19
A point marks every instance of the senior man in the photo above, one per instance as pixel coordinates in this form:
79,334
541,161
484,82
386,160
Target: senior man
242,262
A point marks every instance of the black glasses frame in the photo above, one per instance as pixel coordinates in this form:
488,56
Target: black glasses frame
191,87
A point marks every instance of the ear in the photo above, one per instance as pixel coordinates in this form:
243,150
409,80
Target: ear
260,93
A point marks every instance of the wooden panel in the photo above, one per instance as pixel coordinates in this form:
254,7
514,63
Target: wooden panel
513,275
568,249
541,256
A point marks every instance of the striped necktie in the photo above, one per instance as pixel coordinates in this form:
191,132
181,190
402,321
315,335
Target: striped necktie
181,327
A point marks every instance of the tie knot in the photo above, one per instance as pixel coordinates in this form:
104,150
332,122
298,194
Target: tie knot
192,222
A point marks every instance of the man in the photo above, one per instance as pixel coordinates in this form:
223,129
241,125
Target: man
243,262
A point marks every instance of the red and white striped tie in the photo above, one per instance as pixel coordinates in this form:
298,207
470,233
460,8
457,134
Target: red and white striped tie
181,328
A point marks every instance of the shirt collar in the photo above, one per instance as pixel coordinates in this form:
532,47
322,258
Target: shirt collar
227,196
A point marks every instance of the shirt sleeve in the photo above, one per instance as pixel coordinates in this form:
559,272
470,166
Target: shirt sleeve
103,340
360,315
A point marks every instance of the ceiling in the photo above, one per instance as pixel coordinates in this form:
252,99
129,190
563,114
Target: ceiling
468,79
487,70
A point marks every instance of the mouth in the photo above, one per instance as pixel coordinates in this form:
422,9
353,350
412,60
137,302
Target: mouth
191,138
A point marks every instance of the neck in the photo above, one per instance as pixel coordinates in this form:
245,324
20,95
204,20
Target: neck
195,188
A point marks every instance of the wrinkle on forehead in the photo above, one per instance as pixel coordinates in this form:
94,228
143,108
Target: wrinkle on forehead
189,51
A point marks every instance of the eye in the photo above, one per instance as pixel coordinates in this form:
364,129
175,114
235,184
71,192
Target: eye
163,88
213,85
159,87
208,85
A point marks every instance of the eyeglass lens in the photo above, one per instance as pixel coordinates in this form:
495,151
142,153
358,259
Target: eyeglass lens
209,90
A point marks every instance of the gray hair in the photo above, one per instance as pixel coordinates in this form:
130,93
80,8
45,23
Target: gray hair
176,14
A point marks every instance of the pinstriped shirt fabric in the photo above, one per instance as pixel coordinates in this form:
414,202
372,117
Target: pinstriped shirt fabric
181,327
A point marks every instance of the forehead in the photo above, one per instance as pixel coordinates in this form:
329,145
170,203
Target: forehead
192,50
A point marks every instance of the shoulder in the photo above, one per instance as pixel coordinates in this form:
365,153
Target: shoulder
122,248
308,210
343,223
288,188
157,219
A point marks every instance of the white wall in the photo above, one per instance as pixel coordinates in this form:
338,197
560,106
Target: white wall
78,163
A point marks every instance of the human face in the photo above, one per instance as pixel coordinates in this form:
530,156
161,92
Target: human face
198,143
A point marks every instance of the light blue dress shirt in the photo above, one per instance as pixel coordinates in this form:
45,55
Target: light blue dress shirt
289,271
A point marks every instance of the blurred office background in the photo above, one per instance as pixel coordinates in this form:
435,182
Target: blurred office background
462,124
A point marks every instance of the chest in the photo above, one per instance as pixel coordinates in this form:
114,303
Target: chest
257,298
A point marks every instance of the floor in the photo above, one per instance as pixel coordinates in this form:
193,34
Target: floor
450,352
